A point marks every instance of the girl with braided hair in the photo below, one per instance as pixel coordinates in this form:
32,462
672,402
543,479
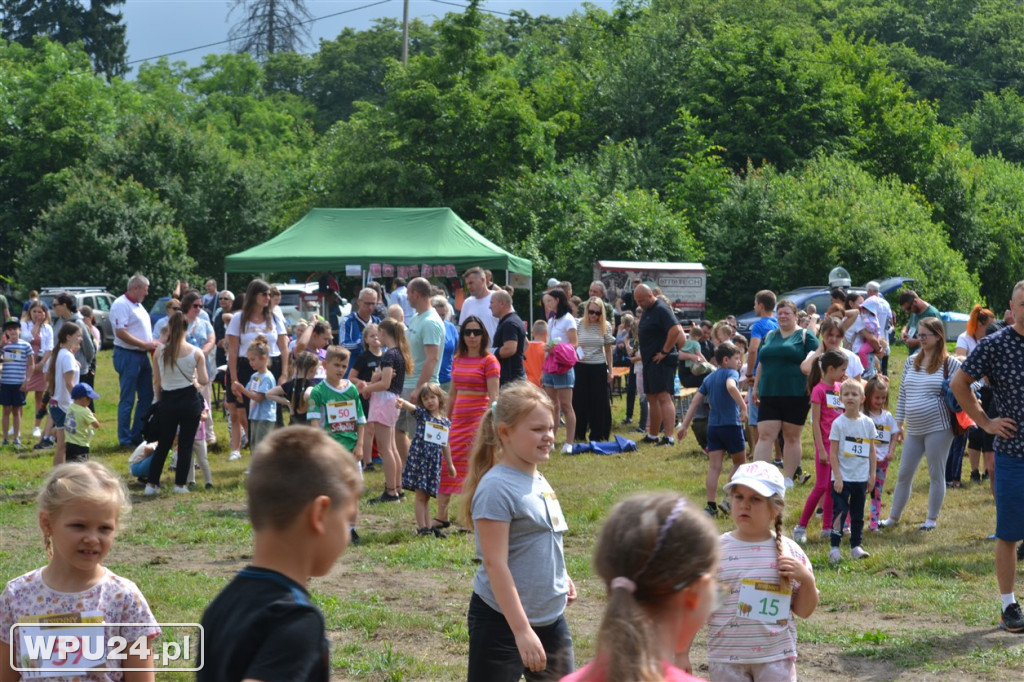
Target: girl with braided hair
658,556
752,636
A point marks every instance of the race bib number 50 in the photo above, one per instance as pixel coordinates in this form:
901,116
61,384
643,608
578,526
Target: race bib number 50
341,415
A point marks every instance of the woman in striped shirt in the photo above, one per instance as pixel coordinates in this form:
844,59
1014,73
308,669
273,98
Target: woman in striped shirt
922,416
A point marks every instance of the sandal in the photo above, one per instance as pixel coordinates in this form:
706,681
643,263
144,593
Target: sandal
424,531
437,532
441,524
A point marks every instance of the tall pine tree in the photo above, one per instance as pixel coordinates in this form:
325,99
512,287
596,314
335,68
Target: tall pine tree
269,26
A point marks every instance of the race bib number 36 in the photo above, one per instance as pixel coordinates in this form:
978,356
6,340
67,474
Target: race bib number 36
764,601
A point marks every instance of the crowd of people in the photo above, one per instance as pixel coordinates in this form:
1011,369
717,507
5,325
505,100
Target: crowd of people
472,407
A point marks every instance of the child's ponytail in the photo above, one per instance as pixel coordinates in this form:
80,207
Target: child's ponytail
651,547
779,504
830,359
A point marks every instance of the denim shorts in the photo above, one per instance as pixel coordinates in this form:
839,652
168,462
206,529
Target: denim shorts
567,380
1009,481
57,415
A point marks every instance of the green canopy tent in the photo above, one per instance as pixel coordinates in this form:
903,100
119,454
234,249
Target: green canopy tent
329,239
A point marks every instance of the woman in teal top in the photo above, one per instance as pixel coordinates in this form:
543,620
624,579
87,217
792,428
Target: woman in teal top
780,389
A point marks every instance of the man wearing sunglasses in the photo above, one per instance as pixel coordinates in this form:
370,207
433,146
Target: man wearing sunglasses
509,339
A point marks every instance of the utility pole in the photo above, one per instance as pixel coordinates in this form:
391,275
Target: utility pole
405,33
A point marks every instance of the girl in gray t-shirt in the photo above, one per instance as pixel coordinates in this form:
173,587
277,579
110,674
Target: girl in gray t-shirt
520,591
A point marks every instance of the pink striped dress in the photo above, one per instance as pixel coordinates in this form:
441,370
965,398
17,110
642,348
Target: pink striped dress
468,374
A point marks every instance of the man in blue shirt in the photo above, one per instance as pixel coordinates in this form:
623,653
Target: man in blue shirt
764,306
352,327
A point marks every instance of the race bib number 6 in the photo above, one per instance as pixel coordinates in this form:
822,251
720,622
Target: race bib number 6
435,433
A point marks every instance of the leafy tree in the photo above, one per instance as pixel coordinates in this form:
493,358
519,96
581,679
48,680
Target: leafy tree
996,125
100,231
270,26
97,27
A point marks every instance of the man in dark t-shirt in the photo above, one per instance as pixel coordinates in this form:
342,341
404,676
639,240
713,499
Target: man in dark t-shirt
509,339
659,333
999,358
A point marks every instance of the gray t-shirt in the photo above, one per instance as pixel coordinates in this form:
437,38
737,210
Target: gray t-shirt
535,555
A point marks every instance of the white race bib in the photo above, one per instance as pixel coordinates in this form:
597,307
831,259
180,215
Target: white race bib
341,415
856,447
832,400
883,434
436,434
764,601
87,651
555,512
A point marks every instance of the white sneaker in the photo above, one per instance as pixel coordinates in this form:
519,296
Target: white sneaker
181,489
789,483
37,432
834,556
567,449
800,534
234,456
150,490
889,523
928,524
858,553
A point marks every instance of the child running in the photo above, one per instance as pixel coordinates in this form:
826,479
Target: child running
752,636
823,382
852,455
294,393
422,473
262,412
395,363
80,507
18,365
725,423
658,557
887,432
516,615
303,491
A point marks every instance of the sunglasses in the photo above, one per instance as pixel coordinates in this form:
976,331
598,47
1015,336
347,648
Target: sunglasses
472,332
197,305
595,313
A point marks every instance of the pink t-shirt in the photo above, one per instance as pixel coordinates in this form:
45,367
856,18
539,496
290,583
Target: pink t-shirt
828,397
594,672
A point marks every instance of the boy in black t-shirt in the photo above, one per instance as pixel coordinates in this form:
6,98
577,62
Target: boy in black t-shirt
303,490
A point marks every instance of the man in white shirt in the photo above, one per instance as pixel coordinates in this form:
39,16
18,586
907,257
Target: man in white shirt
133,341
478,302
400,295
885,319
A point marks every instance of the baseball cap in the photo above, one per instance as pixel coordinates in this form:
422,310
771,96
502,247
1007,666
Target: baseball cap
552,283
84,390
761,477
12,323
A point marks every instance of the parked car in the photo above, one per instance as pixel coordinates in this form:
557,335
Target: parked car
97,298
158,310
294,308
820,296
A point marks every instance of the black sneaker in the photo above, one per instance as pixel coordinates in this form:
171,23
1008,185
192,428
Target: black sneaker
1012,620
711,510
778,463
984,476
667,440
354,535
385,497
626,422
975,476
724,507
648,438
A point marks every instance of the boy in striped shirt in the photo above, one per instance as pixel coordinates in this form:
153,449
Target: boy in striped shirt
18,364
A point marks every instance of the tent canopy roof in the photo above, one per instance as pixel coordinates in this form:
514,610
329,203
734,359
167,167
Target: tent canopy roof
331,238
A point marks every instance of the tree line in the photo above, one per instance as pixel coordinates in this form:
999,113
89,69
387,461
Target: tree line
769,140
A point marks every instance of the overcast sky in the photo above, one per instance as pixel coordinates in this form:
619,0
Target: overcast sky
162,27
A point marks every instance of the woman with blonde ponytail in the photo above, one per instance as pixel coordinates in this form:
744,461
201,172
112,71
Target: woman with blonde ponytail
516,616
658,555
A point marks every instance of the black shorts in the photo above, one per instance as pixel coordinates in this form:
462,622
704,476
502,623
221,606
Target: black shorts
784,408
979,439
660,377
243,372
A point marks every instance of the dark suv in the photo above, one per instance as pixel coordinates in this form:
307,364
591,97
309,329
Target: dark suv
97,298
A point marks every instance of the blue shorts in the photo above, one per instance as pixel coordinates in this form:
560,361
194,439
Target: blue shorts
11,395
567,380
751,410
1009,481
57,415
728,438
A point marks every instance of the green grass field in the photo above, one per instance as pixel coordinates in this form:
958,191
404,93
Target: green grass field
924,606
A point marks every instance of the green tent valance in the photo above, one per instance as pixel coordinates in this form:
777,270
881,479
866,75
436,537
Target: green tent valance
331,238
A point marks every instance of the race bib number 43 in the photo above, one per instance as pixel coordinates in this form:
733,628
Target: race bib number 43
764,601
856,447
